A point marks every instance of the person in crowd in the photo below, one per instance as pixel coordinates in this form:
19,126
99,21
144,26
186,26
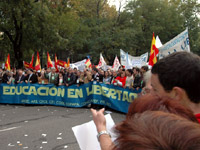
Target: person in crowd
11,79
6,77
155,130
19,77
60,79
42,79
38,73
120,69
31,77
1,74
101,75
14,72
79,80
25,73
86,76
147,81
75,70
137,78
143,70
106,78
113,77
120,80
69,78
177,76
129,78
109,72
95,74
52,76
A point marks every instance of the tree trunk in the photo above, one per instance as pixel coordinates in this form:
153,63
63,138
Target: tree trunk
18,56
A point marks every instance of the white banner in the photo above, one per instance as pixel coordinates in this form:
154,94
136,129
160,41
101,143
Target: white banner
80,65
130,61
140,60
178,43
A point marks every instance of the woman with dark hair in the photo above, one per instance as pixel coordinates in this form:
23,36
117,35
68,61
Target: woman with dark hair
106,78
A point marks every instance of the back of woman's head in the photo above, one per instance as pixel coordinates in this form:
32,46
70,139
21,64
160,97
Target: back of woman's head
155,103
157,130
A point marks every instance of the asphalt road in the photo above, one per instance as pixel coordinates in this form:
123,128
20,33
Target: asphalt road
42,127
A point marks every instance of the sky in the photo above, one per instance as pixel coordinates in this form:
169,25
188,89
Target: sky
116,2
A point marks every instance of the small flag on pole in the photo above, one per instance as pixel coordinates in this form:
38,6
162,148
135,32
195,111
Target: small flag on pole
37,64
153,52
49,63
7,64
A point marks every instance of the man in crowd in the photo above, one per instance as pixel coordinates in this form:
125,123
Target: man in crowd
178,76
6,77
129,78
69,77
52,76
114,75
19,77
1,74
95,74
137,78
31,77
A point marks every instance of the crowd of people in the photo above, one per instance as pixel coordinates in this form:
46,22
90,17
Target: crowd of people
166,117
126,78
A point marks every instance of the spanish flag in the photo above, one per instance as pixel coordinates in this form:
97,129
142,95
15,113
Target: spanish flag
37,64
7,64
55,63
88,63
153,52
49,63
29,65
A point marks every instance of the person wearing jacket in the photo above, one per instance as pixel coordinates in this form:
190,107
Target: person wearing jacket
121,79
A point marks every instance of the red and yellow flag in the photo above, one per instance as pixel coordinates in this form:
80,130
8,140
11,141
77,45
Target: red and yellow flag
7,64
49,63
68,62
26,64
88,63
37,64
61,63
153,52
55,63
29,65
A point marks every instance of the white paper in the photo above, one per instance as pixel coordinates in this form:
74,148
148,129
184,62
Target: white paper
86,134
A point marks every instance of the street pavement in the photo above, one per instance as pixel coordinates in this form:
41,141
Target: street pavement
28,127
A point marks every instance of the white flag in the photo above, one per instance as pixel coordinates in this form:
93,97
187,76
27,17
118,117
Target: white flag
178,43
158,42
102,62
116,64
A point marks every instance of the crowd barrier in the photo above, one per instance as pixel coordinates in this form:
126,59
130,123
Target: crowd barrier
115,97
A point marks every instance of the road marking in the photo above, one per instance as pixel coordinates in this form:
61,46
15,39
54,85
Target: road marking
9,129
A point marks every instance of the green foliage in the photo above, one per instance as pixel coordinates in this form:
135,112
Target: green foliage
88,27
